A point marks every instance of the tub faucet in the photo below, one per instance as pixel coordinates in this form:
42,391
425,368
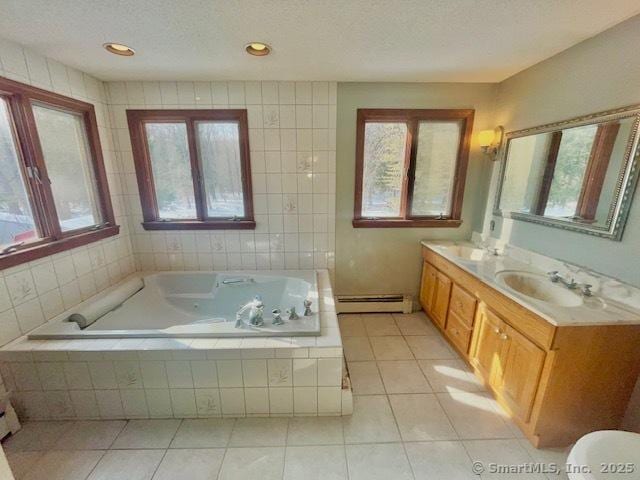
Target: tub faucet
256,311
277,319
307,308
293,315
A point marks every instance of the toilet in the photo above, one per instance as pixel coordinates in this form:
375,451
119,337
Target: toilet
605,454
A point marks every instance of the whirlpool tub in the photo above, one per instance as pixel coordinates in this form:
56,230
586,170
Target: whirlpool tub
197,304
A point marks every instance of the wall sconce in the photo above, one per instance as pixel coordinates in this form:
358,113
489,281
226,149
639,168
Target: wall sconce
490,141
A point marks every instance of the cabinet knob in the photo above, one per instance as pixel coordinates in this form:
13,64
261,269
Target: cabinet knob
504,336
497,331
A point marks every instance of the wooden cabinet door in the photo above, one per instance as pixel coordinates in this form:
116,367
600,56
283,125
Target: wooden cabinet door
522,367
427,286
488,345
440,305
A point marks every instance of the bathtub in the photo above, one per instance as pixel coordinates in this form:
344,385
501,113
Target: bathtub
201,304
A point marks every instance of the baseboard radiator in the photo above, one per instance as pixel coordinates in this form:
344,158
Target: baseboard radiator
374,303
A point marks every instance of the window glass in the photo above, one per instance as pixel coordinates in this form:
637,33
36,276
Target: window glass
384,157
436,158
568,175
171,166
219,150
17,223
66,154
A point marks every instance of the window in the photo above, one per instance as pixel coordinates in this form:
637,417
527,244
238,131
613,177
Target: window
53,186
192,168
411,167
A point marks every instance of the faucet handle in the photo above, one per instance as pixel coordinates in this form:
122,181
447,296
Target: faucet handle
554,275
586,290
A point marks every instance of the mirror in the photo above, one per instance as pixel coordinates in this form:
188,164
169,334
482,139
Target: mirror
578,174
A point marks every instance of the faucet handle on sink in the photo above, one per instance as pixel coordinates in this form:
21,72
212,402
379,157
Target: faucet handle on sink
586,290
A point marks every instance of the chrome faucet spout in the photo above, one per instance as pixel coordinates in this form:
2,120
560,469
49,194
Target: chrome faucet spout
555,277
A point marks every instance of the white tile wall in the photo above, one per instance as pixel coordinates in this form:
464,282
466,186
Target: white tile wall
102,385
292,139
32,293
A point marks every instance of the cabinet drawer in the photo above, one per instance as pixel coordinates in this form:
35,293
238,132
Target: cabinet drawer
463,304
458,332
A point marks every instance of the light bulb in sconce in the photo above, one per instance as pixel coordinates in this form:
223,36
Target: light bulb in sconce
490,141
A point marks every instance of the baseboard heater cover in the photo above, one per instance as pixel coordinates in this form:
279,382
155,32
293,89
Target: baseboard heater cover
374,303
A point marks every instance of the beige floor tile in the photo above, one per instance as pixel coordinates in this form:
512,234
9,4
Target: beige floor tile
414,324
315,463
65,465
439,460
421,418
203,433
259,432
500,452
390,348
36,436
450,376
430,347
473,416
315,431
200,464
372,421
351,325
557,456
22,462
252,463
357,349
90,435
127,464
378,462
378,325
365,378
147,434
403,376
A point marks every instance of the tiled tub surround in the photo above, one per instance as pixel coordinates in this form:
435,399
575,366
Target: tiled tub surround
181,378
292,148
613,302
35,292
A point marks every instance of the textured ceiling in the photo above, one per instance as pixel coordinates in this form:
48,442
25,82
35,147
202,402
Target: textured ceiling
347,40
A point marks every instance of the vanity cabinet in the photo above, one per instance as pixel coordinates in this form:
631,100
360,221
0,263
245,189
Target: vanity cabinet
508,361
556,382
440,305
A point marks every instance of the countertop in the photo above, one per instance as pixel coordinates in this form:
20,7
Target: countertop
596,310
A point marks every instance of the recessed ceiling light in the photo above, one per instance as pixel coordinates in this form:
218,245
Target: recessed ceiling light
258,49
119,49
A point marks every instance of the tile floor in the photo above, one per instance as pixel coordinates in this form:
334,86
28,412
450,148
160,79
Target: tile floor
419,414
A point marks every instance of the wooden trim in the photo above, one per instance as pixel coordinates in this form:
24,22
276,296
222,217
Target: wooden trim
144,173
200,225
21,99
412,117
405,223
549,170
596,170
35,251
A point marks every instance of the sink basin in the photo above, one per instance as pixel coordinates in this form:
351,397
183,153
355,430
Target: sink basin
539,287
467,253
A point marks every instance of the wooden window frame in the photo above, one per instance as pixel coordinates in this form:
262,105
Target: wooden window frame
144,173
594,175
20,98
412,118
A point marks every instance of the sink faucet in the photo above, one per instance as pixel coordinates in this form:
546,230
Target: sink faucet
493,251
555,277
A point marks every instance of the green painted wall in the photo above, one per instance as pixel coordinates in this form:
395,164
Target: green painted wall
595,75
387,260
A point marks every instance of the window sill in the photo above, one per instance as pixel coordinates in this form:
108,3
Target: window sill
406,223
198,225
29,254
